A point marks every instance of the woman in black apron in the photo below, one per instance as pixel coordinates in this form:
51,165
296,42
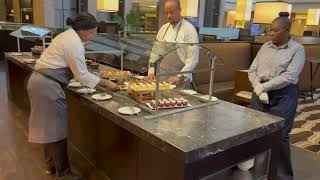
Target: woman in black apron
274,75
63,60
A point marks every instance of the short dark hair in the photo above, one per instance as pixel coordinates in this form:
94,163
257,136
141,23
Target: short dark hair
284,20
175,1
82,21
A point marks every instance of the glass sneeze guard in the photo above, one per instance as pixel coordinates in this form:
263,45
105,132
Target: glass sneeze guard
31,33
144,56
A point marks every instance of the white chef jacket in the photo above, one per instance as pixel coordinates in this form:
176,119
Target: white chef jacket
67,50
183,32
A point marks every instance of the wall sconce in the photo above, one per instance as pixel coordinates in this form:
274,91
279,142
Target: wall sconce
189,8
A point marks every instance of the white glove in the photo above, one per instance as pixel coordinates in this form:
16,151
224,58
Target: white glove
264,98
246,165
258,90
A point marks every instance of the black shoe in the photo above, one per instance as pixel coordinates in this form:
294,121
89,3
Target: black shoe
51,170
70,175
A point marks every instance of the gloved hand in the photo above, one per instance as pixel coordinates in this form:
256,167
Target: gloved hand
264,98
258,89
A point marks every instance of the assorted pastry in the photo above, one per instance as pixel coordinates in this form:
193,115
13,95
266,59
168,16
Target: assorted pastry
170,103
149,86
37,50
114,73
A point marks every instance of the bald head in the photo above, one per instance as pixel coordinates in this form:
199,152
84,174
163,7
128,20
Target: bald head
175,3
173,11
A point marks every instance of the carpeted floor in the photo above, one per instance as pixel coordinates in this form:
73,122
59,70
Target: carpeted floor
306,130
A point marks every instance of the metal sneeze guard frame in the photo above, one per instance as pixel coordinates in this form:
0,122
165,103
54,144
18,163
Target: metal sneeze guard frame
211,58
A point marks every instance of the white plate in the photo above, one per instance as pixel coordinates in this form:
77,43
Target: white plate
86,91
29,61
73,80
74,84
89,61
127,111
139,77
173,86
15,54
101,97
188,91
206,97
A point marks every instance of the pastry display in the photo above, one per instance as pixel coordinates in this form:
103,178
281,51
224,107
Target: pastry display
37,50
94,65
170,103
89,61
109,73
118,77
114,74
149,86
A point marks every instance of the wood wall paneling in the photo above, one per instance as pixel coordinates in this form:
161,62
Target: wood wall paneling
16,8
3,10
38,12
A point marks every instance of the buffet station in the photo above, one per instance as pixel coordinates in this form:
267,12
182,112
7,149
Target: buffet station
150,128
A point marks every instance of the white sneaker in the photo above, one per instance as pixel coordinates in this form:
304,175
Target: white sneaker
246,165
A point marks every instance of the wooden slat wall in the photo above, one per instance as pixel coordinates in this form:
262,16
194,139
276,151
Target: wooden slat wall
16,8
38,12
3,10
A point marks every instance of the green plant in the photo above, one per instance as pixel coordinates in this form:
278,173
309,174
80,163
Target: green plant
130,23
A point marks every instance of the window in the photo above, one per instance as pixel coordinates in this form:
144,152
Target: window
212,13
148,13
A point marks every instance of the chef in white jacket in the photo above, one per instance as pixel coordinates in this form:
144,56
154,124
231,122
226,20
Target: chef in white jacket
63,60
177,30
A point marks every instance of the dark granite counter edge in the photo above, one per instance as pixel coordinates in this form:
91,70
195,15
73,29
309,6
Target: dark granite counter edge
175,152
23,65
231,142
121,121
141,133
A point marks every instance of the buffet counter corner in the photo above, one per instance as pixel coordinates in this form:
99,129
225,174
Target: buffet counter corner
188,145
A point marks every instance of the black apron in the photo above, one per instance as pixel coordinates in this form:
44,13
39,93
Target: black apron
282,103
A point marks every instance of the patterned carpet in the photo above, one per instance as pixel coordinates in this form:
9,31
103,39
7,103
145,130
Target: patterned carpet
306,130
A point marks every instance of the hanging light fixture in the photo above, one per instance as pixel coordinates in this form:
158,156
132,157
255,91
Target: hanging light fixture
108,5
313,17
189,8
266,12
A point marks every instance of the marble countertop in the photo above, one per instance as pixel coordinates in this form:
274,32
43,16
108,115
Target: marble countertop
191,135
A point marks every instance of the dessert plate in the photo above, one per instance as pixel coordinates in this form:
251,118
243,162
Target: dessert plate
75,84
29,61
206,97
16,54
86,90
101,97
188,91
128,111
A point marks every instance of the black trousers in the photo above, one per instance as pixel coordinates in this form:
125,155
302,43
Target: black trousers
56,156
282,103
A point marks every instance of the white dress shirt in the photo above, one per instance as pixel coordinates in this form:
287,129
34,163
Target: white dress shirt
67,50
277,67
183,32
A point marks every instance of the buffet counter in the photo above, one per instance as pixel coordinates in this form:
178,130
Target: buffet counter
188,145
